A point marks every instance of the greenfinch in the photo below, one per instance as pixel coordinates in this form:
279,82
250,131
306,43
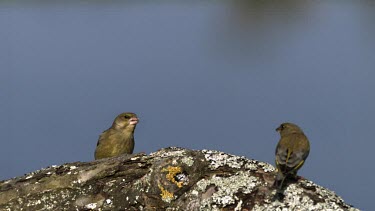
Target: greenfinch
291,152
119,138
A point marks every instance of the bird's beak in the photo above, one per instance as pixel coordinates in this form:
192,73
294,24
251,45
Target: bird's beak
278,129
133,121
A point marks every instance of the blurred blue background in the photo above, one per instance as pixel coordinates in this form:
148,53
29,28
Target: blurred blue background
205,75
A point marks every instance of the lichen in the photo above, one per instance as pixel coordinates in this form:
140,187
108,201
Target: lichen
172,172
189,161
266,167
218,159
165,195
169,152
91,206
72,167
87,175
295,199
144,183
227,187
252,166
186,179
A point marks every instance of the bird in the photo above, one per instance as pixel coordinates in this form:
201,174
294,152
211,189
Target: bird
119,138
291,152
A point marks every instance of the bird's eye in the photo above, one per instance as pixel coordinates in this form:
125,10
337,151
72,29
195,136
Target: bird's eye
283,126
126,117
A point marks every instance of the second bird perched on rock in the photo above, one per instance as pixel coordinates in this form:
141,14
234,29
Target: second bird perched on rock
119,138
291,152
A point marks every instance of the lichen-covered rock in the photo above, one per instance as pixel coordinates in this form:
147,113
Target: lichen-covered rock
169,179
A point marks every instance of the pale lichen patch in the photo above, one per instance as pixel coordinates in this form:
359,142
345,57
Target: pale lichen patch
252,166
189,161
91,206
144,184
266,167
29,176
135,158
178,152
227,187
87,175
296,199
72,167
218,159
239,206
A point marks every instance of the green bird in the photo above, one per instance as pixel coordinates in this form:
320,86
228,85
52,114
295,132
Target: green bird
119,138
291,152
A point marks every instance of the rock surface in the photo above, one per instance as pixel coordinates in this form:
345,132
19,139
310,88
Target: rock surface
169,179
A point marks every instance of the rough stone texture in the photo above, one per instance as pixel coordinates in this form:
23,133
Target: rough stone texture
169,179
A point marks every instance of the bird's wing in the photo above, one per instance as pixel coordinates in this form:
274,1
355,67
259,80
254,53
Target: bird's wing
103,136
281,154
298,152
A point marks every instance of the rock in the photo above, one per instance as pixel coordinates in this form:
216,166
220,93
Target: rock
169,179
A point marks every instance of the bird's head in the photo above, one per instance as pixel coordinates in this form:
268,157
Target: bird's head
287,128
126,120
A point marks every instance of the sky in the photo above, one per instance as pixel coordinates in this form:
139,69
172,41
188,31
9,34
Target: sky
204,75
